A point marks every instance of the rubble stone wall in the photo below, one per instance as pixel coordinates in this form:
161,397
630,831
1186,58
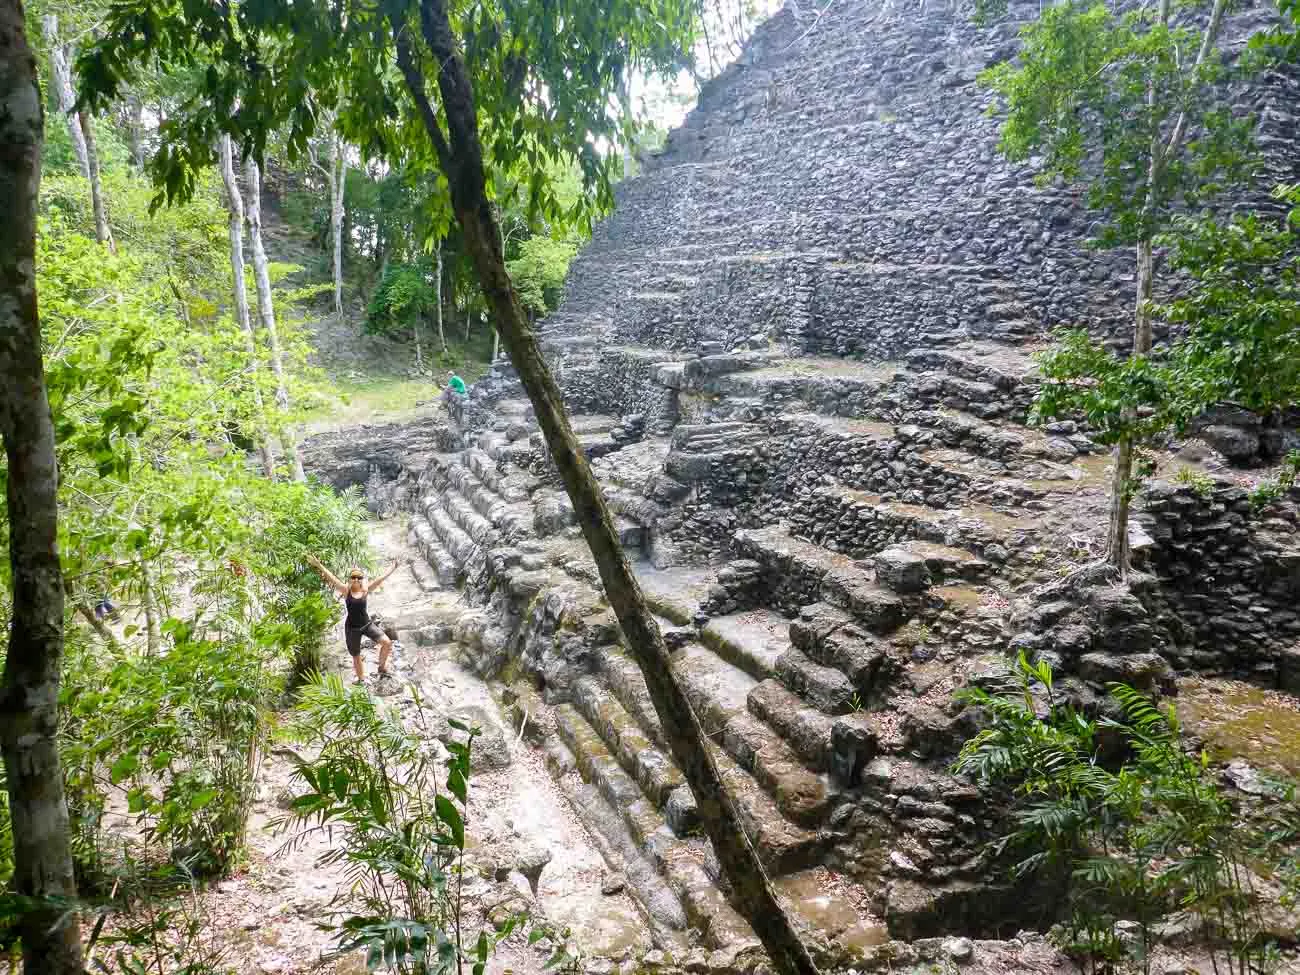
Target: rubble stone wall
1229,573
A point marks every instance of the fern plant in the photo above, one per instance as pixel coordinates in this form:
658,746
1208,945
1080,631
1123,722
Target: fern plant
1137,842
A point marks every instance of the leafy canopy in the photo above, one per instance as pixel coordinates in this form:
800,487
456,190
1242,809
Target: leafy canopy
1094,90
1241,309
544,76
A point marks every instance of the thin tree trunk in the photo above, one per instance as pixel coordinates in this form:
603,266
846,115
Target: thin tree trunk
437,287
338,181
235,200
461,159
496,343
62,82
153,638
29,694
469,314
419,354
135,129
266,311
103,232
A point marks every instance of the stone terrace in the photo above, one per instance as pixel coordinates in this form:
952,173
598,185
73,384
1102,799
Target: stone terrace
800,357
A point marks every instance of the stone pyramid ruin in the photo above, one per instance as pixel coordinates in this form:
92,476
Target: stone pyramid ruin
800,354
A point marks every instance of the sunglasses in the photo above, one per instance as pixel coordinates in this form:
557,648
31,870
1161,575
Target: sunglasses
356,578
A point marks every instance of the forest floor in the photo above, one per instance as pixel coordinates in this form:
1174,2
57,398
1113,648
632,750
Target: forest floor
267,917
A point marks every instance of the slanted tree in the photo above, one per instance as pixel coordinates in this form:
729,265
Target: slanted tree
481,87
103,229
235,202
29,694
1111,101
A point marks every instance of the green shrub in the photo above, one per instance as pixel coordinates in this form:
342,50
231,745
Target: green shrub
1139,842
180,733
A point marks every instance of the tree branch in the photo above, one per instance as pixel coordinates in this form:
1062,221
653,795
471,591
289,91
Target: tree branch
1207,43
415,84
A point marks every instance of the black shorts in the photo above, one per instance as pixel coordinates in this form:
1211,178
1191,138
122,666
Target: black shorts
353,637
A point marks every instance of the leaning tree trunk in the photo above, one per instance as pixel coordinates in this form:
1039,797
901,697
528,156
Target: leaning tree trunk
62,81
103,232
236,202
461,159
338,181
29,694
266,311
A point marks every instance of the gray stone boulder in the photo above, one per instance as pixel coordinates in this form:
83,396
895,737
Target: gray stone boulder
490,750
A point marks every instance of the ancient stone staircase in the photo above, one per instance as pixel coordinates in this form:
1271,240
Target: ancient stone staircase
826,571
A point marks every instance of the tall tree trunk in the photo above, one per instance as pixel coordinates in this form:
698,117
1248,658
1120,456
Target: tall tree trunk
135,129
469,316
235,201
1122,483
1122,486
103,232
437,287
266,312
29,694
62,82
461,159
338,181
496,343
419,353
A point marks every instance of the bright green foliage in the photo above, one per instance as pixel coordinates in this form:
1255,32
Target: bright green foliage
150,388
399,828
1277,487
179,733
539,271
405,294
1131,396
1136,838
1241,310
543,75
1090,92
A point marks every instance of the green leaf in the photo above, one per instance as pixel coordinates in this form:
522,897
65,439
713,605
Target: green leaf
123,767
450,816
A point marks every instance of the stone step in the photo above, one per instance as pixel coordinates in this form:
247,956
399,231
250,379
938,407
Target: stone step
425,578
833,638
680,861
657,776
719,694
862,523
426,540
453,538
798,572
765,772
807,730
1004,367
752,640
943,562
668,918
676,592
478,528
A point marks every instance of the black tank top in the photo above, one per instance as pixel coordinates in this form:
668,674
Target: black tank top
357,615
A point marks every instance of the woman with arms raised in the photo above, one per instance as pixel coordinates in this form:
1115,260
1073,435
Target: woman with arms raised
358,622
